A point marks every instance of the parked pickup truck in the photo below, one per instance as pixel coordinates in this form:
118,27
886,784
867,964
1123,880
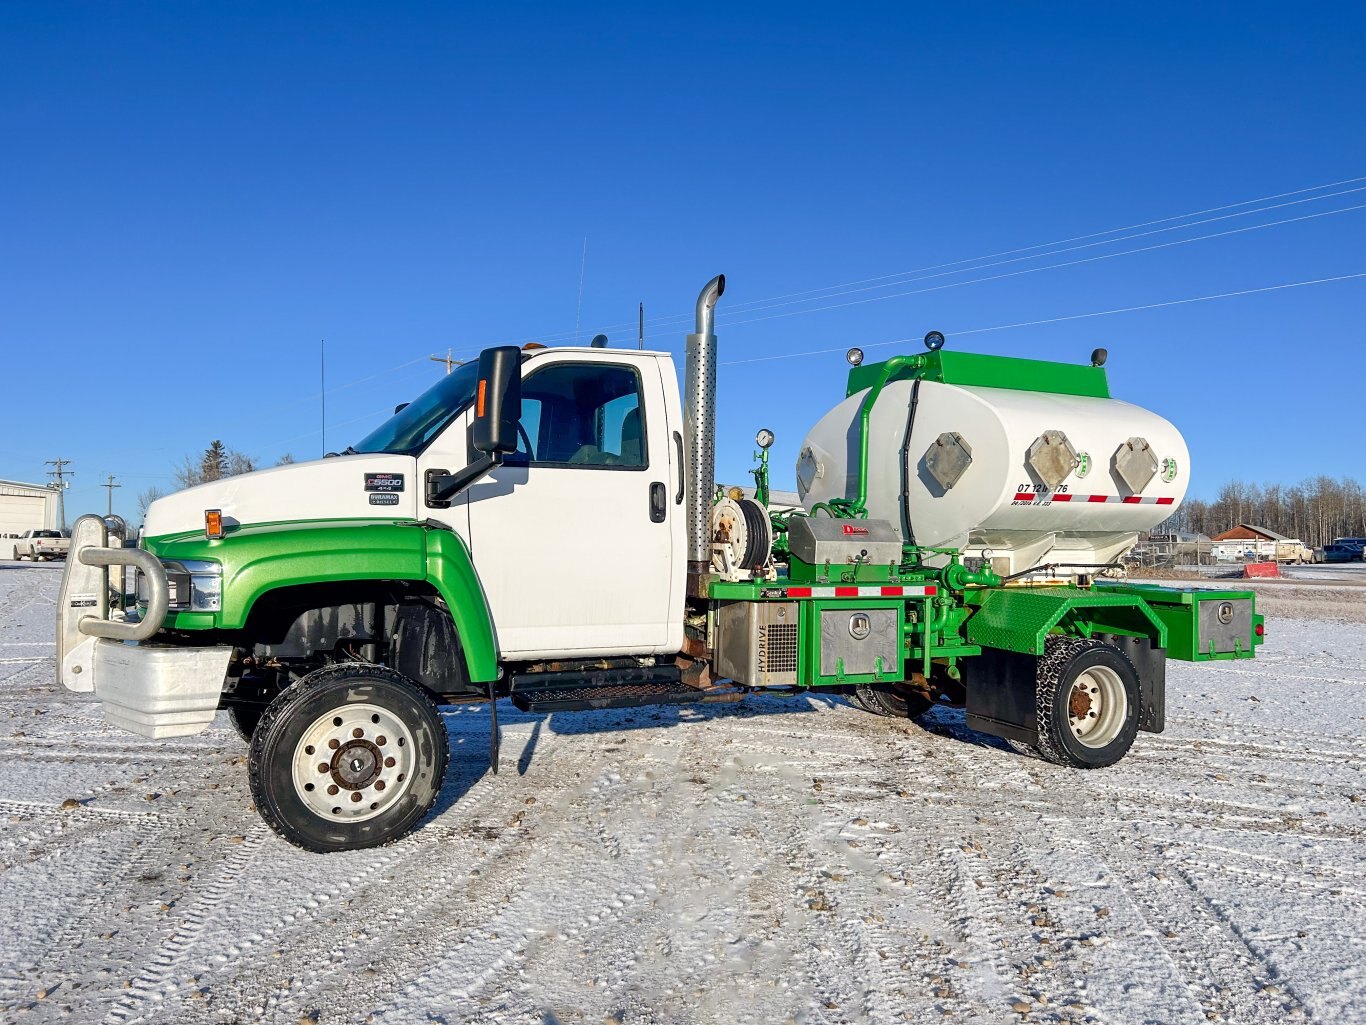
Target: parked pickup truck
41,545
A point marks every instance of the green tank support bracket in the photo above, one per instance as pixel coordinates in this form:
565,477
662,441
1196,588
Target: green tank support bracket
1020,619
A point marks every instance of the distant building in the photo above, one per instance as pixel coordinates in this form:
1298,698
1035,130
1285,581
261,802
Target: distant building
1181,547
1248,541
26,507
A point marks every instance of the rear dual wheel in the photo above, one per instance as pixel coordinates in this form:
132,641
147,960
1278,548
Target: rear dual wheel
1087,700
350,756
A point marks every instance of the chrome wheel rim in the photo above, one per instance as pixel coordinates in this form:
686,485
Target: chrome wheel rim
1097,706
353,763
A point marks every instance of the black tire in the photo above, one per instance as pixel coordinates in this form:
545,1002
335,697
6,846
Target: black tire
856,700
893,701
1074,676
245,719
302,708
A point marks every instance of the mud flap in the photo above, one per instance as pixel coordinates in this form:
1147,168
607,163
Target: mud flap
1001,698
1151,663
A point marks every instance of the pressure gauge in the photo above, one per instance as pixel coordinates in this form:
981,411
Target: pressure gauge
764,438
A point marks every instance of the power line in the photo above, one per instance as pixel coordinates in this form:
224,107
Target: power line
742,307
370,377
1050,266
970,331
1072,249
757,305
958,333
906,279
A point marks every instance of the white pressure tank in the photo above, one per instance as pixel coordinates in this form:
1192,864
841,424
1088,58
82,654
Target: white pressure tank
1019,477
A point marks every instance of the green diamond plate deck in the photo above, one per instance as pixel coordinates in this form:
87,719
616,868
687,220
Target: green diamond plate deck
1019,619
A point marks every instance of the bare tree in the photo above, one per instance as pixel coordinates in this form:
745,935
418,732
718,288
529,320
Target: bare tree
216,462
146,498
239,463
1315,510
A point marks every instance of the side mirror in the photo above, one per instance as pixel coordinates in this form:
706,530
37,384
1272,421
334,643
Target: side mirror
498,400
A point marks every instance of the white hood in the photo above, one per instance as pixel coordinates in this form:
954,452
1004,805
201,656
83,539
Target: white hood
343,487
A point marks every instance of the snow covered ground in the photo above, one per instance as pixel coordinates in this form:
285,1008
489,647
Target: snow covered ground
778,860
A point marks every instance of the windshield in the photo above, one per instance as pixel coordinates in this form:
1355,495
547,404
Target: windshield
408,431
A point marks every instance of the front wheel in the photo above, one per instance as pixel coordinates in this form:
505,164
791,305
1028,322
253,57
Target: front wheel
1087,701
350,756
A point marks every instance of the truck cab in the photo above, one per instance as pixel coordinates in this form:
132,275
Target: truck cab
586,510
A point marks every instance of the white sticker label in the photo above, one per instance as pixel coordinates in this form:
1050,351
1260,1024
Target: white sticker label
84,601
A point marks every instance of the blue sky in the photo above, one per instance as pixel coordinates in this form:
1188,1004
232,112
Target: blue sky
193,194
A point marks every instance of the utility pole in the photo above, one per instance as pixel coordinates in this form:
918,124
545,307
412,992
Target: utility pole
110,486
60,486
446,359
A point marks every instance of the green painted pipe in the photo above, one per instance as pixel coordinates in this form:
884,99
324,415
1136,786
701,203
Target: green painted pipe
860,506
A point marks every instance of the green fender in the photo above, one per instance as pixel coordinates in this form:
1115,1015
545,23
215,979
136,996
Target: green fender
1019,619
451,571
263,557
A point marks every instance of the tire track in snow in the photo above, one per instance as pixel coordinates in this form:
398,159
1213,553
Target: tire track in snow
1222,972
475,947
429,861
151,984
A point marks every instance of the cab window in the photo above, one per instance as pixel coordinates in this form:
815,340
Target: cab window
582,415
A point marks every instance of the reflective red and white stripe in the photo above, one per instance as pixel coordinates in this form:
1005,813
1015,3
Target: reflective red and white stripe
876,591
1045,498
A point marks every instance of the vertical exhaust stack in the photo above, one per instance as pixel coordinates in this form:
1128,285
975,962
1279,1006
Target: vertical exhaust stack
699,420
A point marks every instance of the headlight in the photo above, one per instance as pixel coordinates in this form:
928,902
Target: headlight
196,585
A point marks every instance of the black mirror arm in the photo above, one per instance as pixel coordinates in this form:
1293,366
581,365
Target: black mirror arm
453,484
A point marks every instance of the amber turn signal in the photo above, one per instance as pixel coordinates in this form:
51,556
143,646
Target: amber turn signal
213,524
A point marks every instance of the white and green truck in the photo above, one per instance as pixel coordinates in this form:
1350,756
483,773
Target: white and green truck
544,525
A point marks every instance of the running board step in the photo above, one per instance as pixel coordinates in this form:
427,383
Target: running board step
576,697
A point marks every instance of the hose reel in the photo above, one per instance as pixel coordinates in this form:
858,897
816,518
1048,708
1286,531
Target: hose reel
741,537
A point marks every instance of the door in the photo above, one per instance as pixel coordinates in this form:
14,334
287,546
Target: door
574,535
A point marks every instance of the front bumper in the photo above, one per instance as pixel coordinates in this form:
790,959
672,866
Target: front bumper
155,691
151,690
